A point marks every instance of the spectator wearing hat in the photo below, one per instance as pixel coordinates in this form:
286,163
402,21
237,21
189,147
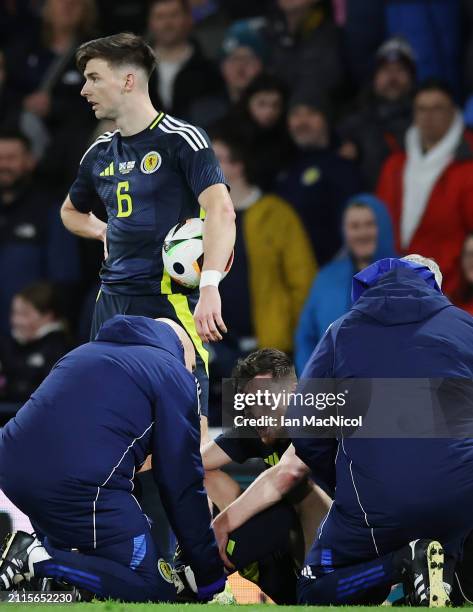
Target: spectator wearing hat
182,73
243,57
435,31
429,188
304,47
384,110
317,182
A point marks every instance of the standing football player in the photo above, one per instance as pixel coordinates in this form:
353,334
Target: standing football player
151,173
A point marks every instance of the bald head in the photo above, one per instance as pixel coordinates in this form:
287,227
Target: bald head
428,262
189,351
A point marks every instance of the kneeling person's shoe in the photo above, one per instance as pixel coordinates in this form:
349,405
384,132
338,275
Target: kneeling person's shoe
14,560
427,575
184,583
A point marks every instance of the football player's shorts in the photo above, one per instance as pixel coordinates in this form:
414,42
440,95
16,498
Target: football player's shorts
176,306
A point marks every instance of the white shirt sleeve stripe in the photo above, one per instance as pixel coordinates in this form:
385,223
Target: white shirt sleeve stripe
184,135
187,128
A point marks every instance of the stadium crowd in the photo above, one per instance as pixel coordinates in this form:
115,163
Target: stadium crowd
341,127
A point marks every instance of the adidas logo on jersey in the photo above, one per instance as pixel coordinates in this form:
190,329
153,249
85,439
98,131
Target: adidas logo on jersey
126,167
109,171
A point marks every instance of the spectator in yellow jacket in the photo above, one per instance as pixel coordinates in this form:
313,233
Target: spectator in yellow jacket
274,265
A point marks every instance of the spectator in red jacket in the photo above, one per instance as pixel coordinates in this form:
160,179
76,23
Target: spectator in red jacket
429,188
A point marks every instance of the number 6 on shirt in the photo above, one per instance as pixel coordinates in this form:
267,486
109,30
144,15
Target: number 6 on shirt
125,204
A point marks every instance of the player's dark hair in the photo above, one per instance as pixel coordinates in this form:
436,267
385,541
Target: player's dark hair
15,134
435,84
44,297
264,361
184,3
118,49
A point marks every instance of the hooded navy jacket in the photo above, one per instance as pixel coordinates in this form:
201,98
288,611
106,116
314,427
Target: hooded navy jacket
400,326
73,448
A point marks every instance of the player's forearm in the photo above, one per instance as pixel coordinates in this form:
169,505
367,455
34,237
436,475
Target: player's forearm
85,225
261,494
219,233
221,488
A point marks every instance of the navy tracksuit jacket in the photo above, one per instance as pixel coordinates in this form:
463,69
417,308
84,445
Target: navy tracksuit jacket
391,491
68,458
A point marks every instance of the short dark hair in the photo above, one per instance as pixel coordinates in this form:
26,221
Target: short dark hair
118,49
435,84
264,361
43,296
7,133
230,134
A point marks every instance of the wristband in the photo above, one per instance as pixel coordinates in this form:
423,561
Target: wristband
210,277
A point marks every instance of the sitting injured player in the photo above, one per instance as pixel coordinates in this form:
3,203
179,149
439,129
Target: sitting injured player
283,500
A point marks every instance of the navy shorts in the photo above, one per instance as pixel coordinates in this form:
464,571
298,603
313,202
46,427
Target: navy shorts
177,306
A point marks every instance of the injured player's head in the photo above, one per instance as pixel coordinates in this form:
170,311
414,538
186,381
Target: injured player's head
187,344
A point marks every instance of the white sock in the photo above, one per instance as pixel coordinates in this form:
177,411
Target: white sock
36,553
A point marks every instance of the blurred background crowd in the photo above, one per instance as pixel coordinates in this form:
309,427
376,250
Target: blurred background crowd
342,127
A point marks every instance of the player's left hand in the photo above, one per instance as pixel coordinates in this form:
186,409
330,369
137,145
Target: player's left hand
207,315
221,531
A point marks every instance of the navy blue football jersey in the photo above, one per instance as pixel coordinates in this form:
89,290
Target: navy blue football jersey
148,183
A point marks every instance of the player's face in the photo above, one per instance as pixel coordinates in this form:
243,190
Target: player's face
103,88
392,81
169,24
25,320
467,260
265,382
15,162
266,107
361,232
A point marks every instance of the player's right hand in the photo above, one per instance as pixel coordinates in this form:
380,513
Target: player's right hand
208,315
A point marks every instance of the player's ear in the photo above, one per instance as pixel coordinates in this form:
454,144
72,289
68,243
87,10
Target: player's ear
130,81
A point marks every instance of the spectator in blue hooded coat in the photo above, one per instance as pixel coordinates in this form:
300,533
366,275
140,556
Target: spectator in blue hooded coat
368,237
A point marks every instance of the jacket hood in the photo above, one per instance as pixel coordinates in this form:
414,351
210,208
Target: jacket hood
127,329
394,291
